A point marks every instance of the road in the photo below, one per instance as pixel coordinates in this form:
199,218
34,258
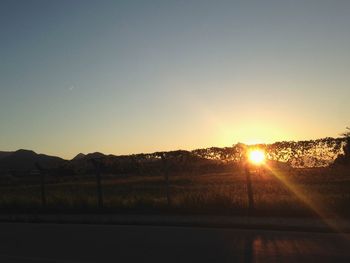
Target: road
28,242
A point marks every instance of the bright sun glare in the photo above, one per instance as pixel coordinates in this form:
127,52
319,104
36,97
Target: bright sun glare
257,156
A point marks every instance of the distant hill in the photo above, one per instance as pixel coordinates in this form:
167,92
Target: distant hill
86,157
82,162
95,155
25,160
79,156
4,154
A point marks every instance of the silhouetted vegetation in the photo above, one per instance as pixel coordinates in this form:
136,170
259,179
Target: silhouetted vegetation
344,158
218,193
212,180
311,153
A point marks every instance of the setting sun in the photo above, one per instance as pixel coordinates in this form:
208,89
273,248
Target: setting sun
257,156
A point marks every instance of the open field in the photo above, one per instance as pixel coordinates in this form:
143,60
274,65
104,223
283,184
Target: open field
213,193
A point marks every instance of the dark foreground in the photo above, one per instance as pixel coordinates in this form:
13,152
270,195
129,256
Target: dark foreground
21,242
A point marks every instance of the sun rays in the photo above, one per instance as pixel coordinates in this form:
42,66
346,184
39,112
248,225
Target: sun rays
325,214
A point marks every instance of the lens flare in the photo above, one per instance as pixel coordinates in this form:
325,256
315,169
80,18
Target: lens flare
326,215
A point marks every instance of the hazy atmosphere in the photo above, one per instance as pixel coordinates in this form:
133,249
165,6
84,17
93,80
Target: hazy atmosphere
174,131
141,76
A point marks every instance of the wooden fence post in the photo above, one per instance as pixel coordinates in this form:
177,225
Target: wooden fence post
249,188
166,177
42,185
97,166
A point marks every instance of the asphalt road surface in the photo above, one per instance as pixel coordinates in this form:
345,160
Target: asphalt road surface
21,242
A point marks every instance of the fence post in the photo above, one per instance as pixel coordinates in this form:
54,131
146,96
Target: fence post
42,184
166,177
249,188
97,165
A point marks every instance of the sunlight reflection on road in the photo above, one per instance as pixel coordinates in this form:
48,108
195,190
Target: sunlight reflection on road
261,248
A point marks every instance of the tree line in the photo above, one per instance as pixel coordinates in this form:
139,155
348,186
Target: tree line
308,153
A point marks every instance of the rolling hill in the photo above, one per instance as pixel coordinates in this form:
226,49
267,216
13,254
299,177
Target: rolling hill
25,160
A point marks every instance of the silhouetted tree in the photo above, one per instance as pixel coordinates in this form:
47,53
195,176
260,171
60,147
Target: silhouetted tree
344,158
346,148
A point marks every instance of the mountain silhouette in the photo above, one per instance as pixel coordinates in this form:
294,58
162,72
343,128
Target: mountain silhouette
95,155
4,154
82,158
26,159
79,156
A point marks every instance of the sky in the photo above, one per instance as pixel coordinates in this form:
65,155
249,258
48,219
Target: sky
125,77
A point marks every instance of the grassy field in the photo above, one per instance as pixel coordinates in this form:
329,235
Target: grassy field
323,189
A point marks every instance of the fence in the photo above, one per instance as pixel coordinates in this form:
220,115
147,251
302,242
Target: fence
240,191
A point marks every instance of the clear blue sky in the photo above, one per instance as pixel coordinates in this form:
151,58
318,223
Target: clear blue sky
140,76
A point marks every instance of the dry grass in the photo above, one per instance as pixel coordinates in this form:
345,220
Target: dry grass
223,193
